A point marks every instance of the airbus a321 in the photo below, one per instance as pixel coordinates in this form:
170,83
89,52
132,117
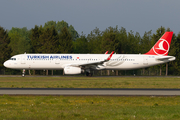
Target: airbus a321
86,63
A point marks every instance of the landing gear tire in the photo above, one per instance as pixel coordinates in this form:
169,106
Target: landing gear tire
88,74
23,75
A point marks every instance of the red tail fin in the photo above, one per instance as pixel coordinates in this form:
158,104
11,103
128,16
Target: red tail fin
162,45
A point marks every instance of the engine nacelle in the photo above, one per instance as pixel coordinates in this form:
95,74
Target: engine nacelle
72,70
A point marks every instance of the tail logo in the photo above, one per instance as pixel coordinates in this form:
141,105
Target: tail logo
162,47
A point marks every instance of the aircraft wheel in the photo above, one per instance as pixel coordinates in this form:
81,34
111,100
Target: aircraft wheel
90,74
87,74
23,75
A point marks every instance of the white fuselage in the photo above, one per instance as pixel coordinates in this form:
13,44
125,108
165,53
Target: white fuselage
60,61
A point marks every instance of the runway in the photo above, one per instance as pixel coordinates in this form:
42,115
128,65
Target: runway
89,92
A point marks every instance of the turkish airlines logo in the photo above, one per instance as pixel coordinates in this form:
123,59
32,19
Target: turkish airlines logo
161,47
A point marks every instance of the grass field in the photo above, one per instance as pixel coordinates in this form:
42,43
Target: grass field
88,108
90,82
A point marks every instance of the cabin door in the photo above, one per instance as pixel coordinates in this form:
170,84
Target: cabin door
23,59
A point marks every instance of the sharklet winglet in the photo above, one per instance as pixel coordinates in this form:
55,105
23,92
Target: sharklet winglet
110,56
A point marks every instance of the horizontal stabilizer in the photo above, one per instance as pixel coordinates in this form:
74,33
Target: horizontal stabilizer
163,58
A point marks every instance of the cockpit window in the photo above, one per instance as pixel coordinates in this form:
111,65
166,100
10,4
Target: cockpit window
12,58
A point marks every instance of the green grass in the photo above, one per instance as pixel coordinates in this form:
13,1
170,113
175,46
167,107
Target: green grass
90,82
88,108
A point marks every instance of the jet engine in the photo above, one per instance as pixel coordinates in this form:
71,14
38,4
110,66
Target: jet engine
72,70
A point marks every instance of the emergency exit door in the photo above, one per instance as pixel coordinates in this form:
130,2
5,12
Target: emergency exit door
145,60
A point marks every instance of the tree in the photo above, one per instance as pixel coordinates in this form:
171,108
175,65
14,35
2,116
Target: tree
145,43
49,24
132,42
81,45
60,25
159,32
94,41
36,32
122,37
110,40
137,40
4,48
73,32
65,41
19,40
176,53
48,41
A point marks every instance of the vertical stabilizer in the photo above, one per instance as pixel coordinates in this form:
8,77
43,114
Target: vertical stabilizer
162,46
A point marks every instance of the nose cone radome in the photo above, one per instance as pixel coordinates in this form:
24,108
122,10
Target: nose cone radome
6,64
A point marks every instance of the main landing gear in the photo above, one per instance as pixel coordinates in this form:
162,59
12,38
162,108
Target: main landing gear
23,73
88,74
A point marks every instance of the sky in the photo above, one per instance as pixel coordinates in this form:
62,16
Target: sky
86,15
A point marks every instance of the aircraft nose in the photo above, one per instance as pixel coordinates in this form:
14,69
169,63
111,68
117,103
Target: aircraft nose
6,64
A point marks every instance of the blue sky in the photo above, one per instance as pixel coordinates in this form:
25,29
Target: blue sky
86,15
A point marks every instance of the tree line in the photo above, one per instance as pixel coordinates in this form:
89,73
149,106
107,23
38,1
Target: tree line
60,37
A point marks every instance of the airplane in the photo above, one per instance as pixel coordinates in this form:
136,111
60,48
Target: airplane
86,63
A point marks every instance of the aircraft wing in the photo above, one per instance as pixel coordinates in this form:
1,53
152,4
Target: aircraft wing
92,63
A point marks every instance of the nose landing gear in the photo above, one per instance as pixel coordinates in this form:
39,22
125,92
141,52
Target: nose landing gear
23,73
